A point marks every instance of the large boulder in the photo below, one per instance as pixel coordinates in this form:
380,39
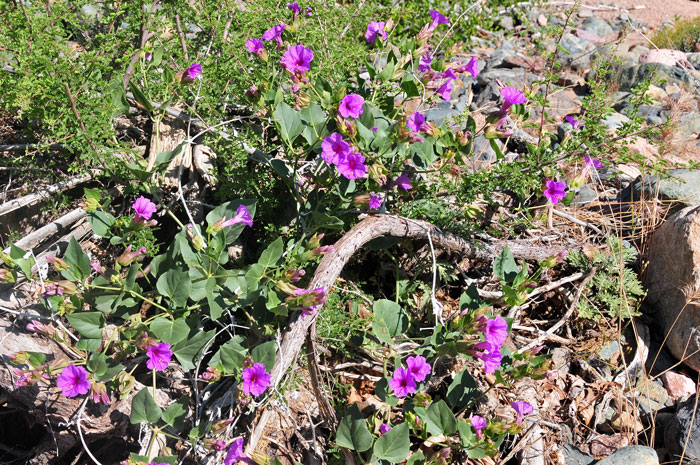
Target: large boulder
673,282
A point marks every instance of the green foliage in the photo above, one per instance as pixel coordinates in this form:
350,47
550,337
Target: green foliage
615,290
683,34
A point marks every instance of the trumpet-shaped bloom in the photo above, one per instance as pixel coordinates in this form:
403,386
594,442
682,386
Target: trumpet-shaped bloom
383,429
415,121
275,33
438,18
375,202
192,73
521,408
255,46
351,106
334,148
297,58
511,96
294,7
352,166
143,209
445,90
418,367
402,383
242,216
159,355
235,453
472,67
255,379
73,381
404,182
478,423
592,162
424,62
496,331
555,191
490,354
449,74
375,29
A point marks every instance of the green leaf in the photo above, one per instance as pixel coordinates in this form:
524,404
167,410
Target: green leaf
463,390
384,392
231,355
25,264
78,261
140,97
496,149
88,344
100,222
389,320
352,431
388,71
314,119
288,121
409,86
416,458
97,363
393,446
254,275
112,369
176,412
176,285
188,349
438,418
89,324
36,358
504,266
265,353
163,159
144,408
272,253
171,331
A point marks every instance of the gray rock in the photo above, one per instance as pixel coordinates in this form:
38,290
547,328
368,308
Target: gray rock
689,124
506,22
654,114
439,114
683,187
632,455
579,52
651,394
597,25
487,90
614,120
683,432
632,75
694,58
574,456
609,350
584,196
585,13
482,150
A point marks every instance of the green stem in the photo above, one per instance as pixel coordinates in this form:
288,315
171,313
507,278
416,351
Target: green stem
134,293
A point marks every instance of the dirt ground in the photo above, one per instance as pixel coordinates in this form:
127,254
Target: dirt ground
651,13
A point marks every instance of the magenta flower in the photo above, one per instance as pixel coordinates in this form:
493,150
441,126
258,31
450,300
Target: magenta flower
521,408
449,74
144,209
415,121
73,381
438,18
496,331
592,162
383,429
375,202
424,63
489,353
297,58
334,148
472,67
192,73
511,96
294,7
98,394
573,122
275,33
478,423
445,90
374,29
235,453
404,182
351,106
242,216
255,46
352,166
52,290
148,56
159,355
294,275
402,383
555,191
255,379
418,367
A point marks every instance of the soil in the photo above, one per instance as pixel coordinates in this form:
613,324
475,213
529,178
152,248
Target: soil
651,13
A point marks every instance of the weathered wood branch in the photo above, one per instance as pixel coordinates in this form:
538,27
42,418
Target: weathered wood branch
44,194
333,263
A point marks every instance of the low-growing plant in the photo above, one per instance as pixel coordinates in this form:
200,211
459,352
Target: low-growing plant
683,34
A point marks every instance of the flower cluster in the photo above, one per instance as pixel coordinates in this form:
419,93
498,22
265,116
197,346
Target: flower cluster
495,332
337,152
404,380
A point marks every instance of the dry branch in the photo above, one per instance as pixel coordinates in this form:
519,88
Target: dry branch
333,263
44,194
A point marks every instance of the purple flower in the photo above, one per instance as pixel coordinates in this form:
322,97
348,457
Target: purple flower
402,383
52,290
144,209
521,408
555,191
490,354
449,74
294,275
404,182
496,331
334,148
351,106
235,453
294,7
415,121
242,216
511,96
383,429
148,56
375,202
374,29
445,90
297,58
192,73
159,355
255,379
73,381
472,67
352,166
275,33
592,162
438,18
418,367
424,63
478,423
573,122
255,46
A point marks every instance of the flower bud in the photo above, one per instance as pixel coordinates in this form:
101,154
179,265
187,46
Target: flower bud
6,276
58,264
69,288
361,200
430,129
378,173
210,375
98,394
285,288
293,275
125,383
126,258
19,358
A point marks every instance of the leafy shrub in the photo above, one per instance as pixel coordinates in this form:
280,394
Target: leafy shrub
683,34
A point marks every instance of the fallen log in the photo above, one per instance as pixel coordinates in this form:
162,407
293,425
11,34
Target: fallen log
295,334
